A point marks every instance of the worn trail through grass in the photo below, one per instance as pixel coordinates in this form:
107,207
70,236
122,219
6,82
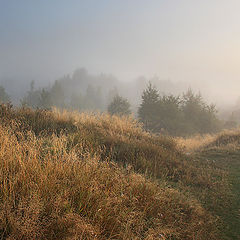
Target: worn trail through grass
229,212
232,216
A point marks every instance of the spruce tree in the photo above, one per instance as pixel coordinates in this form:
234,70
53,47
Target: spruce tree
148,110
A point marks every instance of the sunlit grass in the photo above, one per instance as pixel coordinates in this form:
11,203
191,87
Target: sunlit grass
92,176
191,144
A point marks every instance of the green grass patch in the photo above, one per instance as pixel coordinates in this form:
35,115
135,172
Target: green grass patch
228,205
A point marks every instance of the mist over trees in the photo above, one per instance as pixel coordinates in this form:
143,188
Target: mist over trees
81,91
4,97
161,105
177,115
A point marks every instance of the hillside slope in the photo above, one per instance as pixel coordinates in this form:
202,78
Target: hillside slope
82,176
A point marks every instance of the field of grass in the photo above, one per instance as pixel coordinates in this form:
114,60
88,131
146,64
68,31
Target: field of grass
223,152
65,175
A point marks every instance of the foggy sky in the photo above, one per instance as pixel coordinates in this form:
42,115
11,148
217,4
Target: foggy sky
181,40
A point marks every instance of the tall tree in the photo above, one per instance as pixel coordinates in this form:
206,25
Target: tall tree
170,117
147,112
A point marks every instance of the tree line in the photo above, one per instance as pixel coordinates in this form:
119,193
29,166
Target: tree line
186,114
181,115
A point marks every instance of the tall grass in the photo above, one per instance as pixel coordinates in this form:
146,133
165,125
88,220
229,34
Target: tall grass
82,176
226,139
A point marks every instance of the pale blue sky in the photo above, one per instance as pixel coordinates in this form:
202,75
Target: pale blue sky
176,39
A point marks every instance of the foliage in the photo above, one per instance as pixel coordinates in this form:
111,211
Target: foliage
119,106
170,117
77,102
185,115
149,107
37,98
57,95
4,97
199,117
93,98
85,183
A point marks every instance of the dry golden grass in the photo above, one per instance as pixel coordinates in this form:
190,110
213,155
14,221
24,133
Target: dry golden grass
76,176
194,143
227,139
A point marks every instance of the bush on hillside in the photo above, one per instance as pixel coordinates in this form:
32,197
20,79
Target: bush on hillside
119,106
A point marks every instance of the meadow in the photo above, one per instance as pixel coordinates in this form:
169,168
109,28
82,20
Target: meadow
66,175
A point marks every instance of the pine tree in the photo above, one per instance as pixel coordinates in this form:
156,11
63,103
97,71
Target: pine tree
119,106
170,116
148,110
199,117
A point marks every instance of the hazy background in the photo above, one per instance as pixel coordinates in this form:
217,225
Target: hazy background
190,43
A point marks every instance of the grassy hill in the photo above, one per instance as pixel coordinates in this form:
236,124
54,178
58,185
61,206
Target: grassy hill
223,152
83,176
